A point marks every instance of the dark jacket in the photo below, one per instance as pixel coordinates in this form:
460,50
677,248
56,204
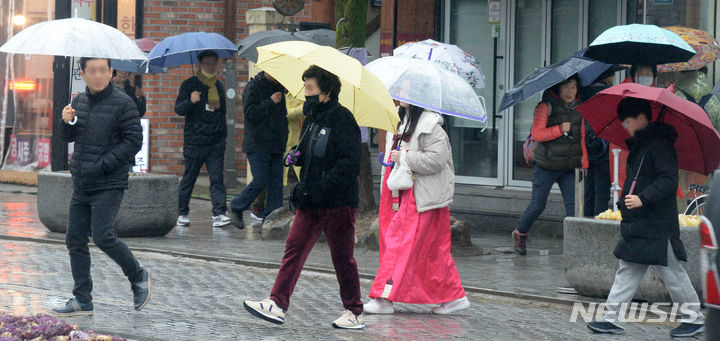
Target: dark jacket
645,231
597,148
202,127
266,124
330,159
139,101
553,150
107,136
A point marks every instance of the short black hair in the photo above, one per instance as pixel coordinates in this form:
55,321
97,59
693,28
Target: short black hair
327,81
634,68
206,54
631,107
84,60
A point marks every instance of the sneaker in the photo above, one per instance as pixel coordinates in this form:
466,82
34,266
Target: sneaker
73,307
519,242
221,220
605,328
266,309
348,320
452,306
257,214
687,330
141,291
183,220
237,220
379,306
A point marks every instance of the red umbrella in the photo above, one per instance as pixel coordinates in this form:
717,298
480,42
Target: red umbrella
145,44
698,143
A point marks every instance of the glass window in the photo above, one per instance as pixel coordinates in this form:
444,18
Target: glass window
565,28
27,90
602,15
475,153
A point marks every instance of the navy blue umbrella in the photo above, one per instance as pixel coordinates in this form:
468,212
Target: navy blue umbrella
183,49
136,66
593,71
544,78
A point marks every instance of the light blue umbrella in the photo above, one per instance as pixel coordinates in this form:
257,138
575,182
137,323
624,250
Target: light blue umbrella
639,44
136,66
183,49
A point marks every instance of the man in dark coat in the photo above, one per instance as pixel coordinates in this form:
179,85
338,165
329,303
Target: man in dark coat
202,101
105,125
650,232
326,199
264,142
597,181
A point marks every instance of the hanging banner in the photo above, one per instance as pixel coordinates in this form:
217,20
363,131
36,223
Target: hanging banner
126,17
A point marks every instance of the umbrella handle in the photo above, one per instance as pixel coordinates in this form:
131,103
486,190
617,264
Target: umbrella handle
386,164
632,187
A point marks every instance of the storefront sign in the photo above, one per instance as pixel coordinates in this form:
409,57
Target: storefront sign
126,17
494,12
42,154
141,158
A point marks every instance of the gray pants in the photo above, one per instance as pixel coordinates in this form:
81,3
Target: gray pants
629,275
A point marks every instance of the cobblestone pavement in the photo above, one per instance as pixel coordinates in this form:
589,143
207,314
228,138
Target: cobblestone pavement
201,300
539,273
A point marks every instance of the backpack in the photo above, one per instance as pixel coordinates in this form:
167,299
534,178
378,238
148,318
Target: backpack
529,144
703,101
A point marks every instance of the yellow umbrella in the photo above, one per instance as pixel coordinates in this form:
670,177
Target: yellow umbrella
362,92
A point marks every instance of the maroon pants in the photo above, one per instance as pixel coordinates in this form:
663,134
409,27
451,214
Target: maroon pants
339,227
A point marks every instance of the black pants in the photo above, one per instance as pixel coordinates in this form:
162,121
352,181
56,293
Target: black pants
95,213
597,188
214,158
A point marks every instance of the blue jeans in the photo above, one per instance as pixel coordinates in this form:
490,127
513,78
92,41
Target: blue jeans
542,182
267,171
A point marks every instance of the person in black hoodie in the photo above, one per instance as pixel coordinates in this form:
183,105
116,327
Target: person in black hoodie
326,199
597,181
650,231
105,125
264,142
202,101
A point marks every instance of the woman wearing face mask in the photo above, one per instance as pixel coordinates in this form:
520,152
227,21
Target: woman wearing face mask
415,262
642,74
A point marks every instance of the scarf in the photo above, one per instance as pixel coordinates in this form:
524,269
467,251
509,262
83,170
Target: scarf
209,81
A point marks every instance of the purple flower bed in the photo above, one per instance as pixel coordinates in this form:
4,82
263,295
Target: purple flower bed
45,328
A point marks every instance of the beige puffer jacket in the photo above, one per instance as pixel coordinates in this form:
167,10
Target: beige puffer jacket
429,156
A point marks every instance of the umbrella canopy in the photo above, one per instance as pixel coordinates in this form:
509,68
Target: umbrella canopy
706,48
145,44
426,84
183,49
639,44
544,78
593,71
247,49
362,92
73,37
448,56
136,66
698,143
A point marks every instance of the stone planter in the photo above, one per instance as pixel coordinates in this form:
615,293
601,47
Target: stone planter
590,266
149,207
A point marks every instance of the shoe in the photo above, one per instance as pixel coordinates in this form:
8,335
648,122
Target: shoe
519,242
73,307
257,214
183,220
237,220
379,306
348,320
221,220
141,291
266,309
452,306
605,328
687,330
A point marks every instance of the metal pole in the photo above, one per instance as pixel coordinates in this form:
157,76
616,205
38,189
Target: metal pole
579,192
230,80
616,185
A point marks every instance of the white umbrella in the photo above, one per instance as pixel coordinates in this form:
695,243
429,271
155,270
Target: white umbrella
449,56
74,37
428,85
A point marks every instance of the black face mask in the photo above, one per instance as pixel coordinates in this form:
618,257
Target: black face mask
311,102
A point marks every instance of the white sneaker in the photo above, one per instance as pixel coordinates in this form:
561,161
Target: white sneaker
254,216
221,220
452,306
348,320
379,306
266,309
183,220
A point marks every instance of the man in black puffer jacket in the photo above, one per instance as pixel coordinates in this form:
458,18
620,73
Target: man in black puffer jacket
326,199
650,232
202,101
105,125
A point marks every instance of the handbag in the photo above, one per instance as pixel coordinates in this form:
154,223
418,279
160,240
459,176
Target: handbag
401,177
